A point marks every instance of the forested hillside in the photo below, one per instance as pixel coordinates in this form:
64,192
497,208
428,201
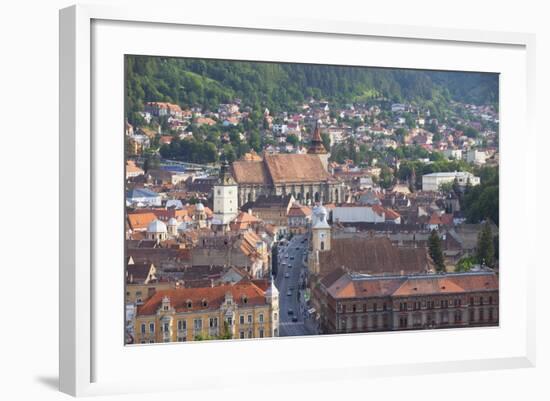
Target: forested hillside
278,86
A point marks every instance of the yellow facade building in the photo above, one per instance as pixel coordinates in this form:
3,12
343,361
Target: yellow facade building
238,311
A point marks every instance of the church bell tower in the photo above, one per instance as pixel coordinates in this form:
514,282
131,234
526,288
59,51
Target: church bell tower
317,148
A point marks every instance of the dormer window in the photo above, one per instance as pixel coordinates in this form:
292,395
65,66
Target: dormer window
204,303
245,299
189,303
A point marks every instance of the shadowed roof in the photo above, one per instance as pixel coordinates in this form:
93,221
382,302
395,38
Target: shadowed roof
280,169
372,256
295,168
250,172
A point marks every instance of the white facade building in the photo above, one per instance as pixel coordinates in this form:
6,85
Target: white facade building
143,197
433,181
453,153
475,156
272,297
357,214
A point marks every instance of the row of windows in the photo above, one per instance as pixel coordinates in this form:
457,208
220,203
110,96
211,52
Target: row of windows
203,303
444,303
249,318
481,301
403,322
361,323
198,323
359,308
251,334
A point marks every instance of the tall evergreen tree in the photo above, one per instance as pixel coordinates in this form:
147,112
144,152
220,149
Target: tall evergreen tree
485,253
436,252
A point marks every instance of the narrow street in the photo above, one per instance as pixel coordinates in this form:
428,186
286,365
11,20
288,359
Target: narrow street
290,278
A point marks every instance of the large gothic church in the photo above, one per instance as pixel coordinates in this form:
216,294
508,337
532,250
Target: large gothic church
304,176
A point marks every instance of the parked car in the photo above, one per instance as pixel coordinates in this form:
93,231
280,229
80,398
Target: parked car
287,275
290,312
294,319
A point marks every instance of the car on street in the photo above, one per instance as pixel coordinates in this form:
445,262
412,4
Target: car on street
287,275
290,312
292,258
294,319
289,293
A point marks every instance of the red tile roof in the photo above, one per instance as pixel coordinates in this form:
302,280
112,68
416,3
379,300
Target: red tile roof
348,287
140,221
213,296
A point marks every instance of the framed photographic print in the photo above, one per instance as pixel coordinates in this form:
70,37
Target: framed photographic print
311,191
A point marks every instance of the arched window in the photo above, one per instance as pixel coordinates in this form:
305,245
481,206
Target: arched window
322,245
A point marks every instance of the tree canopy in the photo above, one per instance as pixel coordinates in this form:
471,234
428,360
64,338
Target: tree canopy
283,86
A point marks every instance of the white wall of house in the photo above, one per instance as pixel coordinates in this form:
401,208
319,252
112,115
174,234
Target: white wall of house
432,182
356,214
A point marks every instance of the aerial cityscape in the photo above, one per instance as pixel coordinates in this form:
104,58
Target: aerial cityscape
282,199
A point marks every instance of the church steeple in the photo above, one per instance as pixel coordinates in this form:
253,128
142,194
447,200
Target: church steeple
225,177
317,147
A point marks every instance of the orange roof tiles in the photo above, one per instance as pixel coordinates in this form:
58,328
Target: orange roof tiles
348,287
297,210
131,167
391,214
435,219
140,221
213,296
251,156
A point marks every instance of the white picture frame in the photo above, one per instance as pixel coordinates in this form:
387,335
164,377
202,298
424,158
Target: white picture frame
84,351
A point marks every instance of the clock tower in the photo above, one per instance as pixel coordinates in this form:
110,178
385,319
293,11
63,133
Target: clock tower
225,197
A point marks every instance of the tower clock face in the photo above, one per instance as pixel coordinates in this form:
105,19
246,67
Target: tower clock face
322,235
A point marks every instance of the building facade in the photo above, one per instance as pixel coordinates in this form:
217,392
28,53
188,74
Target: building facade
238,311
359,303
433,181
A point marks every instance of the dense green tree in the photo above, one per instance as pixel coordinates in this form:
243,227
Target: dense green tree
151,162
481,202
284,86
386,177
292,139
465,264
326,141
485,251
229,153
436,252
254,141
